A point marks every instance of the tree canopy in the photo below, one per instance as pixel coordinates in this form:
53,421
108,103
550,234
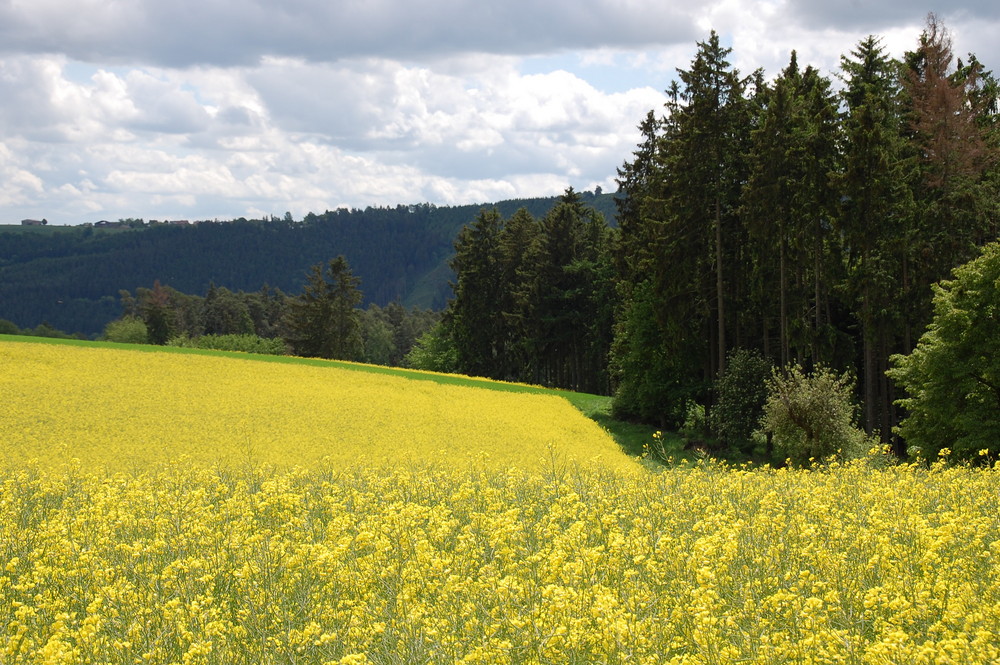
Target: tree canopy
952,377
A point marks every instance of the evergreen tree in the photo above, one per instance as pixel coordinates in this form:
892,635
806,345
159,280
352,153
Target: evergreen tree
788,206
874,213
706,171
637,180
681,242
954,194
473,319
654,351
517,245
323,321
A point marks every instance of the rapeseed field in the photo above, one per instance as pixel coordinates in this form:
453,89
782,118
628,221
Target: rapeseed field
124,410
208,558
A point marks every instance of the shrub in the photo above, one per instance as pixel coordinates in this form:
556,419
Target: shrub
434,351
9,328
811,415
127,330
741,393
242,343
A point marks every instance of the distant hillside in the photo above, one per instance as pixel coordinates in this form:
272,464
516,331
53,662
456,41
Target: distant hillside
70,277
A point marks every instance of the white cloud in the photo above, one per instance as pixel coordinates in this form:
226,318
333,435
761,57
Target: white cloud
222,108
17,185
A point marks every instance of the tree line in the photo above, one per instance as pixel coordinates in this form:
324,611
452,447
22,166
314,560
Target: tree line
325,320
801,220
70,276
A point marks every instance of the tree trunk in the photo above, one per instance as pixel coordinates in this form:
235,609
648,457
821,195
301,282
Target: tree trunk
869,363
719,287
817,248
783,288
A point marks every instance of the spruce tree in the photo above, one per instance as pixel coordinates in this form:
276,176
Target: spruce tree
323,321
474,319
874,212
954,193
705,170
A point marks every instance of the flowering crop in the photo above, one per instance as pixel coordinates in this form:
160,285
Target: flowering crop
437,565
456,561
128,409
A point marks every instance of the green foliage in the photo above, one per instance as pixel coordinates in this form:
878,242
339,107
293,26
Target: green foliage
389,333
433,351
741,392
474,321
773,213
243,343
323,321
41,330
127,330
952,377
45,330
653,382
225,313
9,328
70,276
695,430
876,212
158,314
376,335
811,415
533,299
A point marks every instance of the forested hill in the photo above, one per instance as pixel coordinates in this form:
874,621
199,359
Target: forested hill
70,277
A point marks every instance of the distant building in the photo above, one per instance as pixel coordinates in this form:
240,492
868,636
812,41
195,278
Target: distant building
34,222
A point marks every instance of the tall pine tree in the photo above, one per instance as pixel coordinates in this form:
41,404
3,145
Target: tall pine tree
323,321
874,212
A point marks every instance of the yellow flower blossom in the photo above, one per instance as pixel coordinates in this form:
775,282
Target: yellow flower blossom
188,555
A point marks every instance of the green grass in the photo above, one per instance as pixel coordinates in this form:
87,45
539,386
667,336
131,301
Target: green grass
632,437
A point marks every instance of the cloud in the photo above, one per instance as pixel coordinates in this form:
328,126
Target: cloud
183,33
17,185
492,124
875,17
222,108
302,136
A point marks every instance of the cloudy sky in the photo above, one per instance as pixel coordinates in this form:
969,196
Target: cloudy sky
202,109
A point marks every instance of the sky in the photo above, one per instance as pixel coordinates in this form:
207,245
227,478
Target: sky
219,109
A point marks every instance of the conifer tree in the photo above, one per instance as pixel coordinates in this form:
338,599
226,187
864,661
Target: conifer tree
323,321
788,205
517,244
874,211
953,193
705,170
474,320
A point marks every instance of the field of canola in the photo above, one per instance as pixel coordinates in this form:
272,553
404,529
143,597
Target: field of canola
447,561
125,410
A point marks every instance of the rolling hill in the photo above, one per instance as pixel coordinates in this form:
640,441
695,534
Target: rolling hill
70,277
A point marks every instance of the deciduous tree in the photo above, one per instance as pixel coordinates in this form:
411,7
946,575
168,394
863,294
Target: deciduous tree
953,375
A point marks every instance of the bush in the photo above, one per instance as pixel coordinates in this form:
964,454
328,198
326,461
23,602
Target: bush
653,378
241,343
433,351
741,393
127,330
811,416
953,376
9,328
